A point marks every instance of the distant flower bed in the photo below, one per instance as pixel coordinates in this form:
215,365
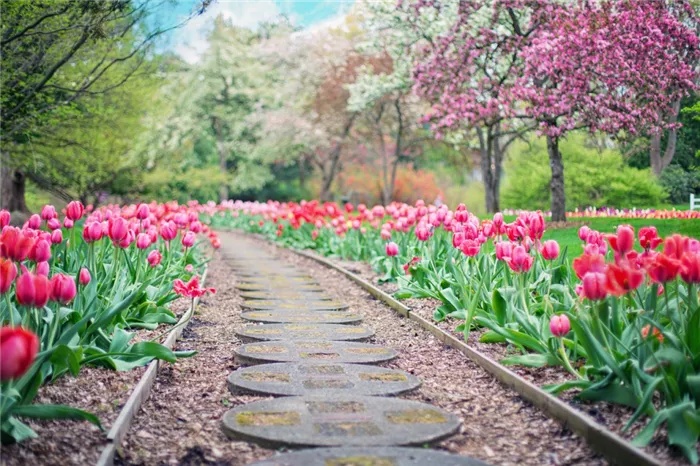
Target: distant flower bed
74,288
623,320
593,212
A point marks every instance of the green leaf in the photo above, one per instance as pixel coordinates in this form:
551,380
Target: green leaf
492,337
645,406
120,340
15,431
155,350
55,412
62,357
613,393
532,360
500,306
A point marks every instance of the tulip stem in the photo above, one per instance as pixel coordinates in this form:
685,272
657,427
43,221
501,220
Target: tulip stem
565,360
10,310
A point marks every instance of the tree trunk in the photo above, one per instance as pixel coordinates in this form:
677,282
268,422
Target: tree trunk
329,175
556,185
657,161
490,169
12,184
223,189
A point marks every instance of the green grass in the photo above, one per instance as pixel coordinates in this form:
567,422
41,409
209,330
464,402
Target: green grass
568,237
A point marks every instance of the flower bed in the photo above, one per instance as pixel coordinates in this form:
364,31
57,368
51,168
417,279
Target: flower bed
77,291
622,322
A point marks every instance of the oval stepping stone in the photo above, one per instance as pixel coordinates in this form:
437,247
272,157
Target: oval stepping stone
293,305
307,317
374,456
270,274
313,351
248,286
335,332
309,421
321,378
260,279
289,294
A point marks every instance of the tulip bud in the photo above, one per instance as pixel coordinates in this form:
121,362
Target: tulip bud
196,227
559,325
67,223
154,258
594,286
18,348
75,210
189,268
53,224
4,218
24,289
550,250
34,222
142,211
188,239
63,288
143,241
48,212
583,233
42,290
168,231
56,237
392,249
84,276
118,229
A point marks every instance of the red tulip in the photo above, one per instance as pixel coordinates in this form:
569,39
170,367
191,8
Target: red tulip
18,348
154,258
32,290
84,276
188,239
75,210
594,286
15,244
392,249
559,325
550,250
190,289
588,263
690,268
621,279
649,238
623,241
676,246
8,273
62,288
42,291
663,269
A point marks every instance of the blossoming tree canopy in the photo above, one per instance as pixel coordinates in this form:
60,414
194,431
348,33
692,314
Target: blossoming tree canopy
604,66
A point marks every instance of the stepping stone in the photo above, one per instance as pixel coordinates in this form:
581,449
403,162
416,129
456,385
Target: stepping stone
289,294
257,286
321,379
306,317
313,351
374,456
310,421
293,305
304,332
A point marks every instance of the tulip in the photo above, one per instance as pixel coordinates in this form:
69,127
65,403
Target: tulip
42,291
503,249
168,231
649,238
536,226
623,241
196,227
676,246
583,233
92,231
385,234
15,244
8,273
128,239
154,258
392,249
621,279
34,222
62,288
457,239
41,252
588,263
75,211
142,211
67,223
520,260
18,348
498,222
54,224
559,325
655,333
690,268
191,289
188,239
84,276
56,237
550,250
48,212
594,286
143,241
4,218
663,269
32,290
470,248
42,268
118,229
314,235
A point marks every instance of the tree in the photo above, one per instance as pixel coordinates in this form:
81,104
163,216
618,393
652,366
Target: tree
45,42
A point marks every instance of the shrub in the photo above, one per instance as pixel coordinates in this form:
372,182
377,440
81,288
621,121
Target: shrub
679,183
593,177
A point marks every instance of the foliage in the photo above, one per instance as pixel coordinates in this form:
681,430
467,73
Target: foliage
594,177
679,183
362,184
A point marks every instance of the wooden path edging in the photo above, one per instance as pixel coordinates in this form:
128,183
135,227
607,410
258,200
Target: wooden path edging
610,445
141,392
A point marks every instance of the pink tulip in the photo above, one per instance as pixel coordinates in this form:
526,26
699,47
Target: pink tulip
142,211
75,210
34,222
457,239
594,286
168,231
48,212
504,249
385,234
84,277
550,250
53,224
42,268
92,231
57,237
63,288
583,233
154,258
143,241
4,218
67,223
188,239
118,229
559,325
18,348
520,260
470,248
41,252
392,249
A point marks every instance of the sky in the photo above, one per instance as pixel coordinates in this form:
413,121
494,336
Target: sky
190,41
